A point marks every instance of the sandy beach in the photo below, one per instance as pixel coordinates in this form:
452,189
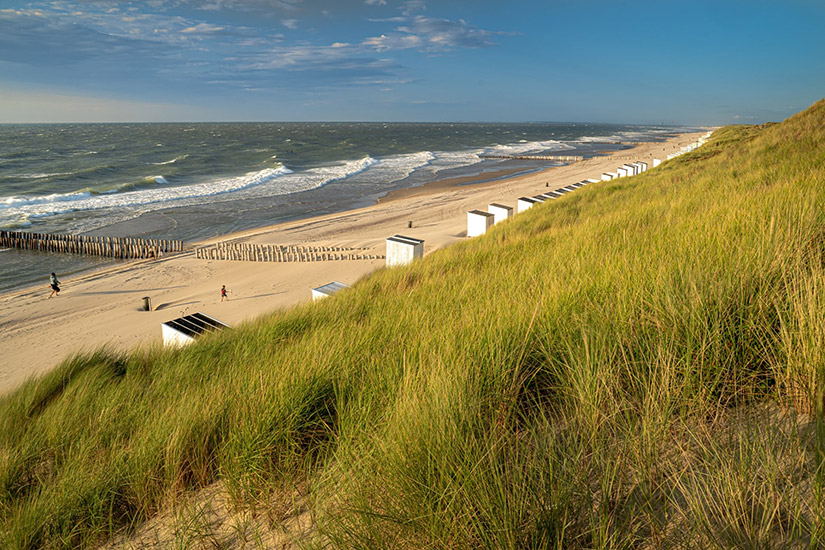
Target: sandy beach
105,307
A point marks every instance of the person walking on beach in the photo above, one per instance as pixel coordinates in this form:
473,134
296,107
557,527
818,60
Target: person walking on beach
223,293
54,284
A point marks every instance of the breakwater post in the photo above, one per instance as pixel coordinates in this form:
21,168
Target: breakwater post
125,248
251,252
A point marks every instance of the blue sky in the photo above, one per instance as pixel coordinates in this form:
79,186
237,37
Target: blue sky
629,61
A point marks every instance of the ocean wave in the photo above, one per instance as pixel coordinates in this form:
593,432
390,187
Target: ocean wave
393,168
32,207
173,161
627,135
526,147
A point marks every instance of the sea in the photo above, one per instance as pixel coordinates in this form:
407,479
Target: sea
196,181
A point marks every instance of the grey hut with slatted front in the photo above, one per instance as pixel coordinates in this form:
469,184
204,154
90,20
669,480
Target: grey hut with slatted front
185,330
402,250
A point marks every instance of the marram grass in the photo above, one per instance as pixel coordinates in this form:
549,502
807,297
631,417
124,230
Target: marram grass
639,364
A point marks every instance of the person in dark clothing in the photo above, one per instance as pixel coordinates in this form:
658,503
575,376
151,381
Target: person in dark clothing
54,283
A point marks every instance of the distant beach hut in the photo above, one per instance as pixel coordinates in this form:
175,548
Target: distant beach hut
592,181
568,188
657,162
551,195
576,185
402,250
524,203
500,212
185,330
478,222
623,172
643,165
632,170
607,176
327,290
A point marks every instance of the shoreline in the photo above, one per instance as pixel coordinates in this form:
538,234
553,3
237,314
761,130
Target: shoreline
102,306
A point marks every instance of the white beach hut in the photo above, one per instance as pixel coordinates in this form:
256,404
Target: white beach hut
184,330
657,162
500,212
632,169
622,172
478,222
327,290
524,203
402,250
607,176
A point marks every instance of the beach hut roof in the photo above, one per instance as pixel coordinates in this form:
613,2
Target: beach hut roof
196,324
331,288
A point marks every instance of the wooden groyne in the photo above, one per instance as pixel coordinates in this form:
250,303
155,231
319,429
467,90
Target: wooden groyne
249,252
124,248
558,158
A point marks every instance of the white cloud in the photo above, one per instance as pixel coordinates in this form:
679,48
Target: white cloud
290,23
340,57
412,6
202,28
432,35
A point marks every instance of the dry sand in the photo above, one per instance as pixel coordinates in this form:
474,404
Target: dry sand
104,308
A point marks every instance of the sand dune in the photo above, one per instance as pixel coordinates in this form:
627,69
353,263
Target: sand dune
104,307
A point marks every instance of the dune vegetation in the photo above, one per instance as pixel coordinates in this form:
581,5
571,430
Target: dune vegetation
638,364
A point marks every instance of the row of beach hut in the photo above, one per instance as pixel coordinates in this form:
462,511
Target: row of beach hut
628,169
402,250
690,147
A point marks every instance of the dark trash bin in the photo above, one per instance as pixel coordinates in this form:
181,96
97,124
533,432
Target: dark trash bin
147,303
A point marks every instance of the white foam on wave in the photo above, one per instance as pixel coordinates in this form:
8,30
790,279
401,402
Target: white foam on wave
627,135
370,172
40,176
527,147
15,209
267,182
173,161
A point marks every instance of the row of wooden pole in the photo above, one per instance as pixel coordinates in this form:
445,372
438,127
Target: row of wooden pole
249,252
110,247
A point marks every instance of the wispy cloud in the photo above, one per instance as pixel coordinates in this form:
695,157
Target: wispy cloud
202,28
433,35
183,44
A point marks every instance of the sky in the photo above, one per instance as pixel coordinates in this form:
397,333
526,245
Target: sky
619,61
